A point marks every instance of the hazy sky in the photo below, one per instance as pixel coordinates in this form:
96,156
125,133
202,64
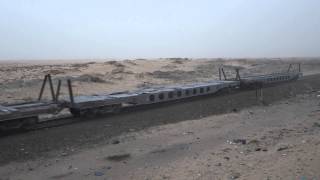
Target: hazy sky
47,29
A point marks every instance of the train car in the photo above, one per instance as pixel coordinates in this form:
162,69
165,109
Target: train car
16,116
268,79
110,103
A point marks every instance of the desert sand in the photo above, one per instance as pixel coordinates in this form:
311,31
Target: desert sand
227,137
279,144
21,80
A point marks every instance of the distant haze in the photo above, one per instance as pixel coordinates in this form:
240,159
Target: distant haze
71,29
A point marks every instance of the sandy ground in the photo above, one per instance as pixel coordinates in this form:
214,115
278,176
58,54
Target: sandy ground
263,142
228,137
21,81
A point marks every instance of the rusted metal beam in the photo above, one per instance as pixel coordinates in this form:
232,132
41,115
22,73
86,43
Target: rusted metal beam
238,74
42,87
70,92
58,90
224,74
51,88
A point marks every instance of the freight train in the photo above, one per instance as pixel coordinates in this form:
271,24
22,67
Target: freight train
16,116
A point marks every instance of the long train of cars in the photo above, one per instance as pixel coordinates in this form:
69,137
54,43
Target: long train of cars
15,116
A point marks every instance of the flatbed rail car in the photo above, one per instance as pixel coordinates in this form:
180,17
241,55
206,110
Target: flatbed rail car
107,103
268,79
19,115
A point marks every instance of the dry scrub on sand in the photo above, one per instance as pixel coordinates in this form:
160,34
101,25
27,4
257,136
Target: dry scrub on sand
21,81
